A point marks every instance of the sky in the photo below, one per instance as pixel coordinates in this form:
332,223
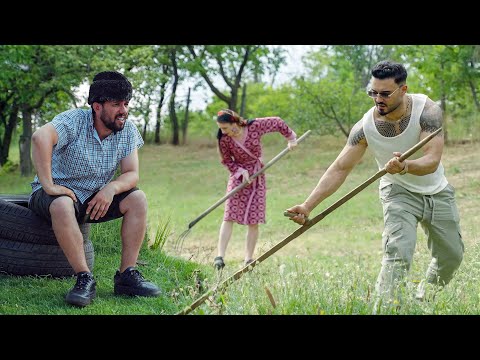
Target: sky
294,66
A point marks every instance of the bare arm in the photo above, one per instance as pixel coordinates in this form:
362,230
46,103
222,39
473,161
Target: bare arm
129,174
98,206
430,120
335,175
43,141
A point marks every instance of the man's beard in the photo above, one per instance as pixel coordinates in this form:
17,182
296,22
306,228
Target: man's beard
388,111
382,112
112,125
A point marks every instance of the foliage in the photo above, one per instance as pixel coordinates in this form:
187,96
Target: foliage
163,232
8,167
264,100
36,80
445,71
328,98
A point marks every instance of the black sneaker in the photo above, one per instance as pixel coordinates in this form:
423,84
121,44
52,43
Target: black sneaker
84,290
132,283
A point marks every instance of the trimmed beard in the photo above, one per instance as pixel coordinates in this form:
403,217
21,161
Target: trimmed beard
112,124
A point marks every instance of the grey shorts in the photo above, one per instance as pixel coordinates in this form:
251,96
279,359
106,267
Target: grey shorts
40,203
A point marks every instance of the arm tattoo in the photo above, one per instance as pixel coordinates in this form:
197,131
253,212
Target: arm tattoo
431,118
356,134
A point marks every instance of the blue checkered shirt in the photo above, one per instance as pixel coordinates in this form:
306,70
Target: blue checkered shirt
80,160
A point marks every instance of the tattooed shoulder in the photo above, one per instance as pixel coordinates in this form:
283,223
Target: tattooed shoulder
432,117
356,135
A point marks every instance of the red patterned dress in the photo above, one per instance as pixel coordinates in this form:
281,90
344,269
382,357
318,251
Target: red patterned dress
247,206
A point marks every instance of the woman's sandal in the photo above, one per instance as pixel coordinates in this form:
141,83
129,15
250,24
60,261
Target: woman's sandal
218,263
248,262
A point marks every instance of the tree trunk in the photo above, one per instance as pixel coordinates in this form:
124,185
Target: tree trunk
474,94
244,98
7,135
158,125
444,109
443,102
173,113
144,131
26,166
185,121
233,99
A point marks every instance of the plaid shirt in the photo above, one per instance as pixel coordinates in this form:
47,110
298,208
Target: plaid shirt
80,160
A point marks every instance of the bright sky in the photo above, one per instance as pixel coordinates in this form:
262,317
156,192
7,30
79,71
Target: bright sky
294,66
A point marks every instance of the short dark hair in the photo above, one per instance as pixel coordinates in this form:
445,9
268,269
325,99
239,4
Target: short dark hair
389,69
109,86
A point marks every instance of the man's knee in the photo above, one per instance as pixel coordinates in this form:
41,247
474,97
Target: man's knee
135,200
61,205
452,263
398,255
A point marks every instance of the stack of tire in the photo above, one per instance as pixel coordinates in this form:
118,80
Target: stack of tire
28,245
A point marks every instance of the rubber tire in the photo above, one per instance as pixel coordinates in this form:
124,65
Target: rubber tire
28,245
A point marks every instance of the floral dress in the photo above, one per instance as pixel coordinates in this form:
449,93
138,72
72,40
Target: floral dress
248,205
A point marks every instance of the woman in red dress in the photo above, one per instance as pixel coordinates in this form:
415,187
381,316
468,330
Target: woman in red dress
241,152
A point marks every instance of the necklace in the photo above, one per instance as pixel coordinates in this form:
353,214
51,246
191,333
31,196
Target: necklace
406,109
404,113
391,128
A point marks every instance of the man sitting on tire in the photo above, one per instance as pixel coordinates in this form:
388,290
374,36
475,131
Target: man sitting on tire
76,156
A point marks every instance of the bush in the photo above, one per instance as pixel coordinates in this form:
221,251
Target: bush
9,167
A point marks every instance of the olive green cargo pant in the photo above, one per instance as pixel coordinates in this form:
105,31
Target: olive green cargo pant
438,215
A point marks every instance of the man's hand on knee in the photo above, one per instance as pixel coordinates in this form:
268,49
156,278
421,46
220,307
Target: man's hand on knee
99,205
55,190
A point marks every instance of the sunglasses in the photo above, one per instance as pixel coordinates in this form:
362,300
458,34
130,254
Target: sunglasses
382,94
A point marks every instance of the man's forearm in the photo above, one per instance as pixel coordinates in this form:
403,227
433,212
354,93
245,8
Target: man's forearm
423,166
42,161
328,184
125,182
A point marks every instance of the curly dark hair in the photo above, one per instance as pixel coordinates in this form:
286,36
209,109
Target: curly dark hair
389,69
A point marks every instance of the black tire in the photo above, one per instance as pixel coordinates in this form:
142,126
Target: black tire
28,245
18,223
18,258
19,199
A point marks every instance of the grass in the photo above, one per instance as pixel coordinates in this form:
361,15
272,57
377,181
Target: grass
330,269
45,296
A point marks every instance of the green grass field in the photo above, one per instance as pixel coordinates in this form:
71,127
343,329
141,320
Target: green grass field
330,269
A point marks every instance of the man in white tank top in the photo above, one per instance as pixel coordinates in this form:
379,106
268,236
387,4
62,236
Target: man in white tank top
413,191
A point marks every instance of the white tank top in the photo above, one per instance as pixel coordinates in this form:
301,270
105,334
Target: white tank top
383,148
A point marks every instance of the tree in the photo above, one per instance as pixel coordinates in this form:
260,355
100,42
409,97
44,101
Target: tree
447,73
230,63
31,75
331,96
150,70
